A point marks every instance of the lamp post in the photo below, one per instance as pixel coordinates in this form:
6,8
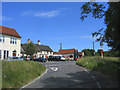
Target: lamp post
101,44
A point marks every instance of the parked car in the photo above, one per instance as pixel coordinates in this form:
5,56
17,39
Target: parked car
62,58
57,58
50,58
40,59
76,59
54,58
14,58
27,58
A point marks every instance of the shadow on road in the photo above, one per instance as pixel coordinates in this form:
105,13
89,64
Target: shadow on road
77,80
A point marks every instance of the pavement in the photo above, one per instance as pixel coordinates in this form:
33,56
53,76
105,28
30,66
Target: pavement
66,74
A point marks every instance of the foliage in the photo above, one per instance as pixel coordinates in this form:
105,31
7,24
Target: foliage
110,35
106,66
97,54
30,49
15,74
88,52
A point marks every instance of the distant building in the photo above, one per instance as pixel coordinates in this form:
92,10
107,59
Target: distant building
42,50
80,54
68,53
10,42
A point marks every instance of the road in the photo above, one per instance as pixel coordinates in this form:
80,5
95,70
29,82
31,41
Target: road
69,75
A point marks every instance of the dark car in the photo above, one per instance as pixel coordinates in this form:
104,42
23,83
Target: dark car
50,58
40,59
54,58
57,58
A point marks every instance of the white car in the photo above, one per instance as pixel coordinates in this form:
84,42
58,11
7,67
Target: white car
62,58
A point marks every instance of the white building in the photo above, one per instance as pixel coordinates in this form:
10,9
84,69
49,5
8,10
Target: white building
42,50
10,42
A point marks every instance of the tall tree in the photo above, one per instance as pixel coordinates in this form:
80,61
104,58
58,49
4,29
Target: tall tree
111,16
30,49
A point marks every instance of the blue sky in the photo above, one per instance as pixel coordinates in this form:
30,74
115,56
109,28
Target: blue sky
52,23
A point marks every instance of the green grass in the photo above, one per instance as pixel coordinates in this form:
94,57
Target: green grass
15,74
107,66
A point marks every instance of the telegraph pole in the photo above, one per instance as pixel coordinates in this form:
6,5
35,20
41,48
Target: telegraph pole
60,46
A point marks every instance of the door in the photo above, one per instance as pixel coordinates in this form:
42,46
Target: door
14,53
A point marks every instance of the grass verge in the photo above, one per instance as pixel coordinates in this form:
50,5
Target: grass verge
109,66
15,74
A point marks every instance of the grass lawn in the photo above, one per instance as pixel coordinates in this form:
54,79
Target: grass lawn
109,66
15,74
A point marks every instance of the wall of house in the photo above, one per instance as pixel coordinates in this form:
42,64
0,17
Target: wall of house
10,47
43,54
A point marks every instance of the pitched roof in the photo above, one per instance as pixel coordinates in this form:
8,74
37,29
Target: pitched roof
9,31
44,48
66,51
39,47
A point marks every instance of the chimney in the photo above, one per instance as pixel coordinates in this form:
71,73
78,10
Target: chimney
28,41
39,42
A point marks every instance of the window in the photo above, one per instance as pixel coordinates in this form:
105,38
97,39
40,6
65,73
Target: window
7,53
0,38
3,38
15,41
10,40
0,54
4,54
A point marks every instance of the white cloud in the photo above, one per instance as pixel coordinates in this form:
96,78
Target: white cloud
47,14
51,13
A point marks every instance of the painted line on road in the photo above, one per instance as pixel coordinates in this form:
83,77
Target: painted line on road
54,68
34,80
98,84
94,79
87,71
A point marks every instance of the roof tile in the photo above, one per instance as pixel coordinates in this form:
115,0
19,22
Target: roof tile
9,31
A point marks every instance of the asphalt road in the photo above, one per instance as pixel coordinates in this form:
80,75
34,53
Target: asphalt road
69,75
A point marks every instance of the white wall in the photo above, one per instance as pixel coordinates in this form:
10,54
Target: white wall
44,54
10,47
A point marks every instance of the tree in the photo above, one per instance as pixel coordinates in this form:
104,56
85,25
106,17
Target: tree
30,49
88,52
110,35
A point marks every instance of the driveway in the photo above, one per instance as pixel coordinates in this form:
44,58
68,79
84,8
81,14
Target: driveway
69,75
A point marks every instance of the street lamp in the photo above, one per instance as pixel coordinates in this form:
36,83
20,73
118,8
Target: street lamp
101,44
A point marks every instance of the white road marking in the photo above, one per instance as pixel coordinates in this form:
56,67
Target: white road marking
34,80
86,71
93,77
54,68
98,84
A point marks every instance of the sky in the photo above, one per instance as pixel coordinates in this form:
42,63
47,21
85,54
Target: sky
52,23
